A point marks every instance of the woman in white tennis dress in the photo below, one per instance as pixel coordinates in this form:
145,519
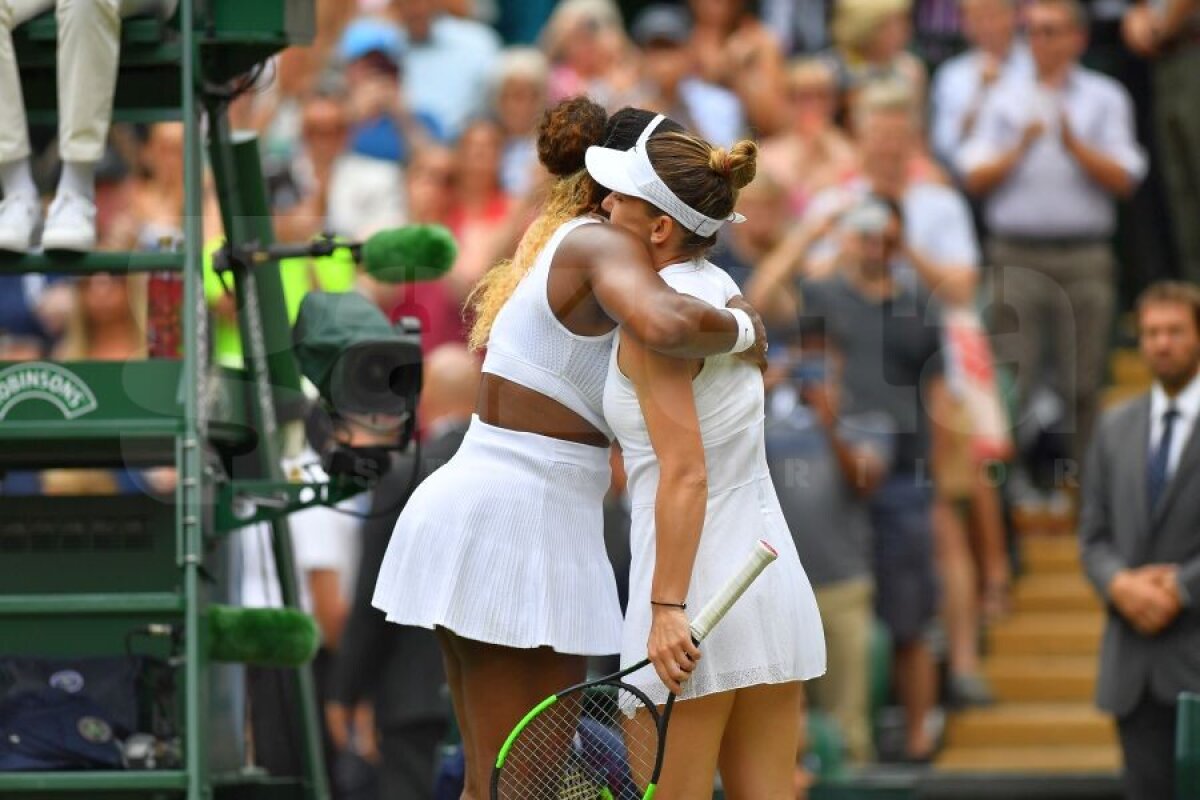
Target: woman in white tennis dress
501,551
693,442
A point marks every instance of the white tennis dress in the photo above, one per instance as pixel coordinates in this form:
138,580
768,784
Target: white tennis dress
505,543
773,633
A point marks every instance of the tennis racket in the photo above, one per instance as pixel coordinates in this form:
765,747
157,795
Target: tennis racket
603,739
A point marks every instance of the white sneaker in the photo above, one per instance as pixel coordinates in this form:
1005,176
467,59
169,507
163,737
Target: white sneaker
70,223
18,219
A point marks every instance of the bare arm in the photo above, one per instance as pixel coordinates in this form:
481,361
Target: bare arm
664,391
632,294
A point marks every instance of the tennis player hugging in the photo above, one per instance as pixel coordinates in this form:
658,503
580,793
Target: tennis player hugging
593,330
691,431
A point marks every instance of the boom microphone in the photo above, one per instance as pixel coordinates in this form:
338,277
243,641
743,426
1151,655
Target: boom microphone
409,254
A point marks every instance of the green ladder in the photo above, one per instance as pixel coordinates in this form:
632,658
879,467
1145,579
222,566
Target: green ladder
78,574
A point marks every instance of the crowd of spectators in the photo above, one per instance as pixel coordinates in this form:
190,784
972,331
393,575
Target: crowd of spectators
939,180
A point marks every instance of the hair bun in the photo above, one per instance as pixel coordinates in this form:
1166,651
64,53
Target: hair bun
567,131
738,164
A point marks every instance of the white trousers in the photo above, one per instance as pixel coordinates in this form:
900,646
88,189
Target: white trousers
89,40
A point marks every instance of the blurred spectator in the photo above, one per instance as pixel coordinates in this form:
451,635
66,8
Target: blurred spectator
1050,157
400,668
937,250
870,37
34,310
937,29
1168,33
811,153
109,321
340,192
743,247
799,27
158,195
825,464
589,53
518,99
961,85
448,65
385,124
431,182
670,85
734,49
275,109
887,331
480,209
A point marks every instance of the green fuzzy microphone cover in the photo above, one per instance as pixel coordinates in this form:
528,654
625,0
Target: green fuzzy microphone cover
265,637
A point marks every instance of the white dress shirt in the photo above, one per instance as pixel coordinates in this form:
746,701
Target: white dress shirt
1187,403
448,75
957,84
1048,194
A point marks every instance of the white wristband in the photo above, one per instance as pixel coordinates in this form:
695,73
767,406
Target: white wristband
746,335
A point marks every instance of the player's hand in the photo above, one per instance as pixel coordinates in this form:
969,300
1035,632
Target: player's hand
670,647
756,354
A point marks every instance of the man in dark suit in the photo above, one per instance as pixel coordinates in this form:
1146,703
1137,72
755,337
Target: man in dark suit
400,667
1140,534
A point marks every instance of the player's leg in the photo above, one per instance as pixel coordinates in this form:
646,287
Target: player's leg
693,745
453,667
499,685
758,750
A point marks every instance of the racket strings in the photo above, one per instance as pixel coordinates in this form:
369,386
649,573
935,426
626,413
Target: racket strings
587,746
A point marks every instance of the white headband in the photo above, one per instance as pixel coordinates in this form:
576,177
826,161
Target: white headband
630,172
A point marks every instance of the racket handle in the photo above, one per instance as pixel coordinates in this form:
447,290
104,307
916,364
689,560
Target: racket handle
716,608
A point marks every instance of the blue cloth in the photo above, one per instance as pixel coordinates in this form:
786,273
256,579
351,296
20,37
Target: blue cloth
448,76
50,729
1156,469
366,35
382,138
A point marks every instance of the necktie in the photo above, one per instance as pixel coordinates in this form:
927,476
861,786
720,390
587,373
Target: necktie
1156,470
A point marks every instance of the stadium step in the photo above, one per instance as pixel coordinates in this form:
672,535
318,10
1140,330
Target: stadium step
93,782
31,605
1075,634
1079,759
1044,679
1030,724
1054,593
1048,554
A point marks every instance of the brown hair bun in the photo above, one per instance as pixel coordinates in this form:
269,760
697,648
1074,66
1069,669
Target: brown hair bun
567,131
739,163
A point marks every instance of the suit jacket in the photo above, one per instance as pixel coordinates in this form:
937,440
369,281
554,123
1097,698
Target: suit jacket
1118,531
401,667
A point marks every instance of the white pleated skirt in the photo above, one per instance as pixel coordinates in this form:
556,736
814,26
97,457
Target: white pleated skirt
505,544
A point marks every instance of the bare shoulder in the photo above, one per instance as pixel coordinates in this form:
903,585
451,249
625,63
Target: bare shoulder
603,241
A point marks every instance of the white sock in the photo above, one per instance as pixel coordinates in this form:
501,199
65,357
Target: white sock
16,178
79,177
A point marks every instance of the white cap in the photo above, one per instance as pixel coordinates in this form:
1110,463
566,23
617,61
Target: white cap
629,172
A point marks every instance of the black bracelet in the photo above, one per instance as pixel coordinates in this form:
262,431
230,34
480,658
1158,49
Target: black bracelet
680,606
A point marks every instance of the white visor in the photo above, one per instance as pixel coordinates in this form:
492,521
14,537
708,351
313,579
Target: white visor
629,172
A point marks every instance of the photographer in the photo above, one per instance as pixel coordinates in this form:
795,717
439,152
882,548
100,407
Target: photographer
825,465
889,334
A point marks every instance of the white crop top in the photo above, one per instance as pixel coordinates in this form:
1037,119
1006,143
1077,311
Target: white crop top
528,344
